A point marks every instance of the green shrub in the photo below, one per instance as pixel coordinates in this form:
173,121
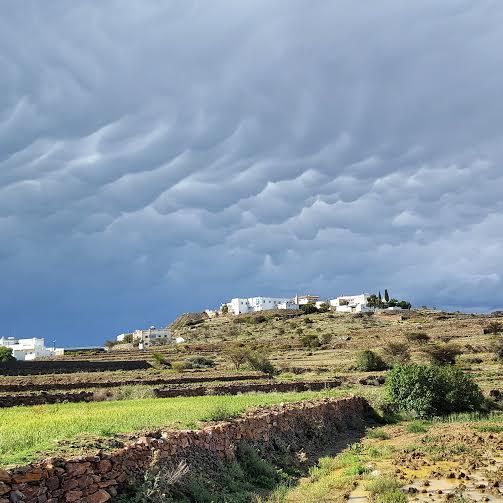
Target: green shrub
368,361
261,363
199,362
6,355
178,366
257,469
442,354
310,341
324,308
430,390
498,350
417,337
160,360
220,413
308,308
495,327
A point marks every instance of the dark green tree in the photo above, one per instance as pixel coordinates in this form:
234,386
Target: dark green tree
386,295
6,354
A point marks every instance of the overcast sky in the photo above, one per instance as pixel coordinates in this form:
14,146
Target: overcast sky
163,157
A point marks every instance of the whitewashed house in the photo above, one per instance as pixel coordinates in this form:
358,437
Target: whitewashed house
29,349
254,304
351,304
302,300
151,337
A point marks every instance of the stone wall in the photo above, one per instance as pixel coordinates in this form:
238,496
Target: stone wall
36,367
99,477
173,391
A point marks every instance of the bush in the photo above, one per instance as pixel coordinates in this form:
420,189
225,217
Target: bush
430,390
498,352
442,354
324,308
398,351
261,363
220,413
417,337
178,366
308,308
310,341
160,360
6,355
199,362
495,327
368,361
256,468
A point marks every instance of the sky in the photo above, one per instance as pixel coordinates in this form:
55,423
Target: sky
163,157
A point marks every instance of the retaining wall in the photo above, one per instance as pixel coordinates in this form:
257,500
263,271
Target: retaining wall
98,478
37,367
168,392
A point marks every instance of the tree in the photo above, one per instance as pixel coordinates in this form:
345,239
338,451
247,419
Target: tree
308,308
238,354
373,301
225,309
380,297
6,355
404,304
386,295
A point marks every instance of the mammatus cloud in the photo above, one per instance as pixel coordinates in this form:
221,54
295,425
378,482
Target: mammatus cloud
161,158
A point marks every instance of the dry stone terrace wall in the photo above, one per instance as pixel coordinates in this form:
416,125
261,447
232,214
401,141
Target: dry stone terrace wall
13,400
198,377
37,367
98,478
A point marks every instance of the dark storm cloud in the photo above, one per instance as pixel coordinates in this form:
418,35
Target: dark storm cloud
163,156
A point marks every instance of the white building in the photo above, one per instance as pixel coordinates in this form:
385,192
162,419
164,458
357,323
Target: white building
306,299
152,336
253,304
29,349
351,304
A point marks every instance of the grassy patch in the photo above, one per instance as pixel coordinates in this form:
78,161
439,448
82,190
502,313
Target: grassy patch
377,433
27,432
489,428
385,490
417,427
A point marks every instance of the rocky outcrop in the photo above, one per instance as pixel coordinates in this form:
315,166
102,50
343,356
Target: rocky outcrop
97,478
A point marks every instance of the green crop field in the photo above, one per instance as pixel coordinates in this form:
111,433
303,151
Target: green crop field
28,433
